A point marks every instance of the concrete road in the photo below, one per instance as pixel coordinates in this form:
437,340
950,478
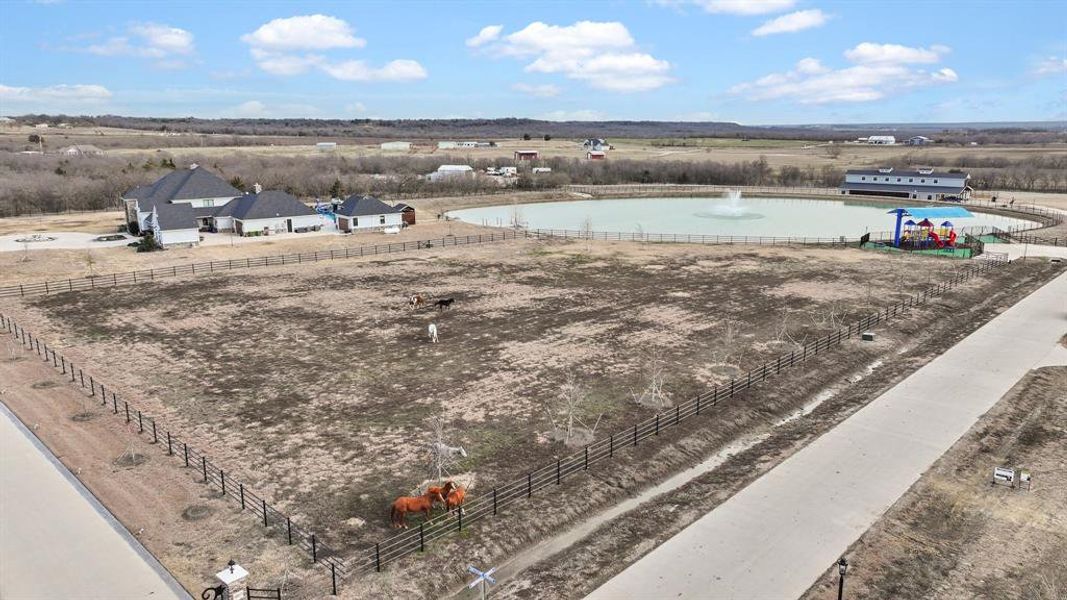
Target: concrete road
774,538
56,541
1033,250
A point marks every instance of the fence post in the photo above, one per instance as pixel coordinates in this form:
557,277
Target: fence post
657,423
114,404
203,465
64,359
127,406
241,486
529,484
377,558
289,530
315,549
611,446
459,513
677,414
155,438
222,478
494,502
186,453
333,577
558,462
698,403
635,434
587,457
140,422
422,538
81,375
170,452
264,506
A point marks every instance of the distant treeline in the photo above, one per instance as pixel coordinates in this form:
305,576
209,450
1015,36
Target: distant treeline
420,129
51,183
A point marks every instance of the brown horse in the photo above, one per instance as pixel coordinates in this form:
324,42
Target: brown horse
454,499
442,492
406,504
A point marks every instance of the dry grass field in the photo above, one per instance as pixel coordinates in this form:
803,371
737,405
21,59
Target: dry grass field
317,384
802,154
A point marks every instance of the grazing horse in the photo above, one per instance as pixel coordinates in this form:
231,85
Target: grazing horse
406,504
445,303
415,301
454,500
432,330
441,492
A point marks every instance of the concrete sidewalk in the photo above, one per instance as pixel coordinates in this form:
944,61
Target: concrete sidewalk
56,541
774,538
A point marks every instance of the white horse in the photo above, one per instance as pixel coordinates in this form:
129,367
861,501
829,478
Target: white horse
433,333
449,451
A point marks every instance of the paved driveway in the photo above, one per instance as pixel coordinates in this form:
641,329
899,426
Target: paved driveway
774,538
56,541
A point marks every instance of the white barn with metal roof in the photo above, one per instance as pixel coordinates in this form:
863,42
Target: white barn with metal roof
920,184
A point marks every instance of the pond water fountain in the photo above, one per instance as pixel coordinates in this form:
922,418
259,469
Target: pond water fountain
734,209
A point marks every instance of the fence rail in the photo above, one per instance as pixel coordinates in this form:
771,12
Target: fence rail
152,430
498,497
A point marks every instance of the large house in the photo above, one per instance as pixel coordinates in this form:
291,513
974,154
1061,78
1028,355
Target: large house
367,213
921,184
195,187
180,205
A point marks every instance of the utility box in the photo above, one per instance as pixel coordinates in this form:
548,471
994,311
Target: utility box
867,336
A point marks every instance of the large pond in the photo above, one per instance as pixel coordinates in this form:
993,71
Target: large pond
731,215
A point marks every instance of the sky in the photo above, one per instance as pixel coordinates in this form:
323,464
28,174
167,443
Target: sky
748,61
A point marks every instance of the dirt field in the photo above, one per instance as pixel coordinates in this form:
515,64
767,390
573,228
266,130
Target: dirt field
954,536
321,381
531,313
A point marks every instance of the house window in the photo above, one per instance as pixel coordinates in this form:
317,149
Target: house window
911,180
863,178
887,179
898,180
209,203
935,181
355,221
381,220
922,181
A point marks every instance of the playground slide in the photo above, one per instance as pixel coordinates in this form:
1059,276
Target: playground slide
951,242
937,239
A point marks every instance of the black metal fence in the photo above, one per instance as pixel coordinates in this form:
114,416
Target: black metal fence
207,268
499,497
169,443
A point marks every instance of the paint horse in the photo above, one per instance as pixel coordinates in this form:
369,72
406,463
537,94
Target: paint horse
415,301
405,504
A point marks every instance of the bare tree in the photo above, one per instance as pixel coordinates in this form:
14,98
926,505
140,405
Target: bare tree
564,413
832,150
90,261
727,343
653,394
516,220
443,456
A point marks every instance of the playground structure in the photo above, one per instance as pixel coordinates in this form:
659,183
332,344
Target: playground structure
924,234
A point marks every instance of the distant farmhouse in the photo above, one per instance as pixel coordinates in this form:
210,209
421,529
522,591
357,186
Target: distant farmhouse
181,204
595,144
919,140
921,184
527,155
881,140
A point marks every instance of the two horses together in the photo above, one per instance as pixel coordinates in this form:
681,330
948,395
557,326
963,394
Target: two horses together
417,301
450,494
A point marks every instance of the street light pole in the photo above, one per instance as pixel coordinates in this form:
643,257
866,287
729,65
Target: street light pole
842,568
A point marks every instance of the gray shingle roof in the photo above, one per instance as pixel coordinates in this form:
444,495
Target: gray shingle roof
265,205
183,184
176,216
361,206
